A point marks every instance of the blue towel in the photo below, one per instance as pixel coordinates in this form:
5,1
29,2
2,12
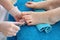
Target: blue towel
42,27
31,32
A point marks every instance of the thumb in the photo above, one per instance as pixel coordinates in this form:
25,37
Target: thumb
17,23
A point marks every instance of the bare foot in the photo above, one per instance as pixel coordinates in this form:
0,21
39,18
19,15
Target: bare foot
48,4
33,18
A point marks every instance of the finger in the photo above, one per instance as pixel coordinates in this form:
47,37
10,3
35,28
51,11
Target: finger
16,28
22,21
17,19
13,31
16,23
11,34
8,34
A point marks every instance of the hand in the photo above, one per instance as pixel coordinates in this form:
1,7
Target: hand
17,15
9,28
48,4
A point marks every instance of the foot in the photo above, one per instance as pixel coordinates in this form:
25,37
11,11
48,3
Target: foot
33,18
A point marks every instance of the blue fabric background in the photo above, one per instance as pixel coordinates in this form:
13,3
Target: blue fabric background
30,32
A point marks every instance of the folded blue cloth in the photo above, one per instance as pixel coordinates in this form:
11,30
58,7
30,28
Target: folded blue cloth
42,27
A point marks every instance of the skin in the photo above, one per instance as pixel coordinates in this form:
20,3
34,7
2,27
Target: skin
52,15
9,28
48,4
30,17
8,5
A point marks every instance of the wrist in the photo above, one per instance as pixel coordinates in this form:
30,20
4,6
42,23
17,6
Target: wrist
14,11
